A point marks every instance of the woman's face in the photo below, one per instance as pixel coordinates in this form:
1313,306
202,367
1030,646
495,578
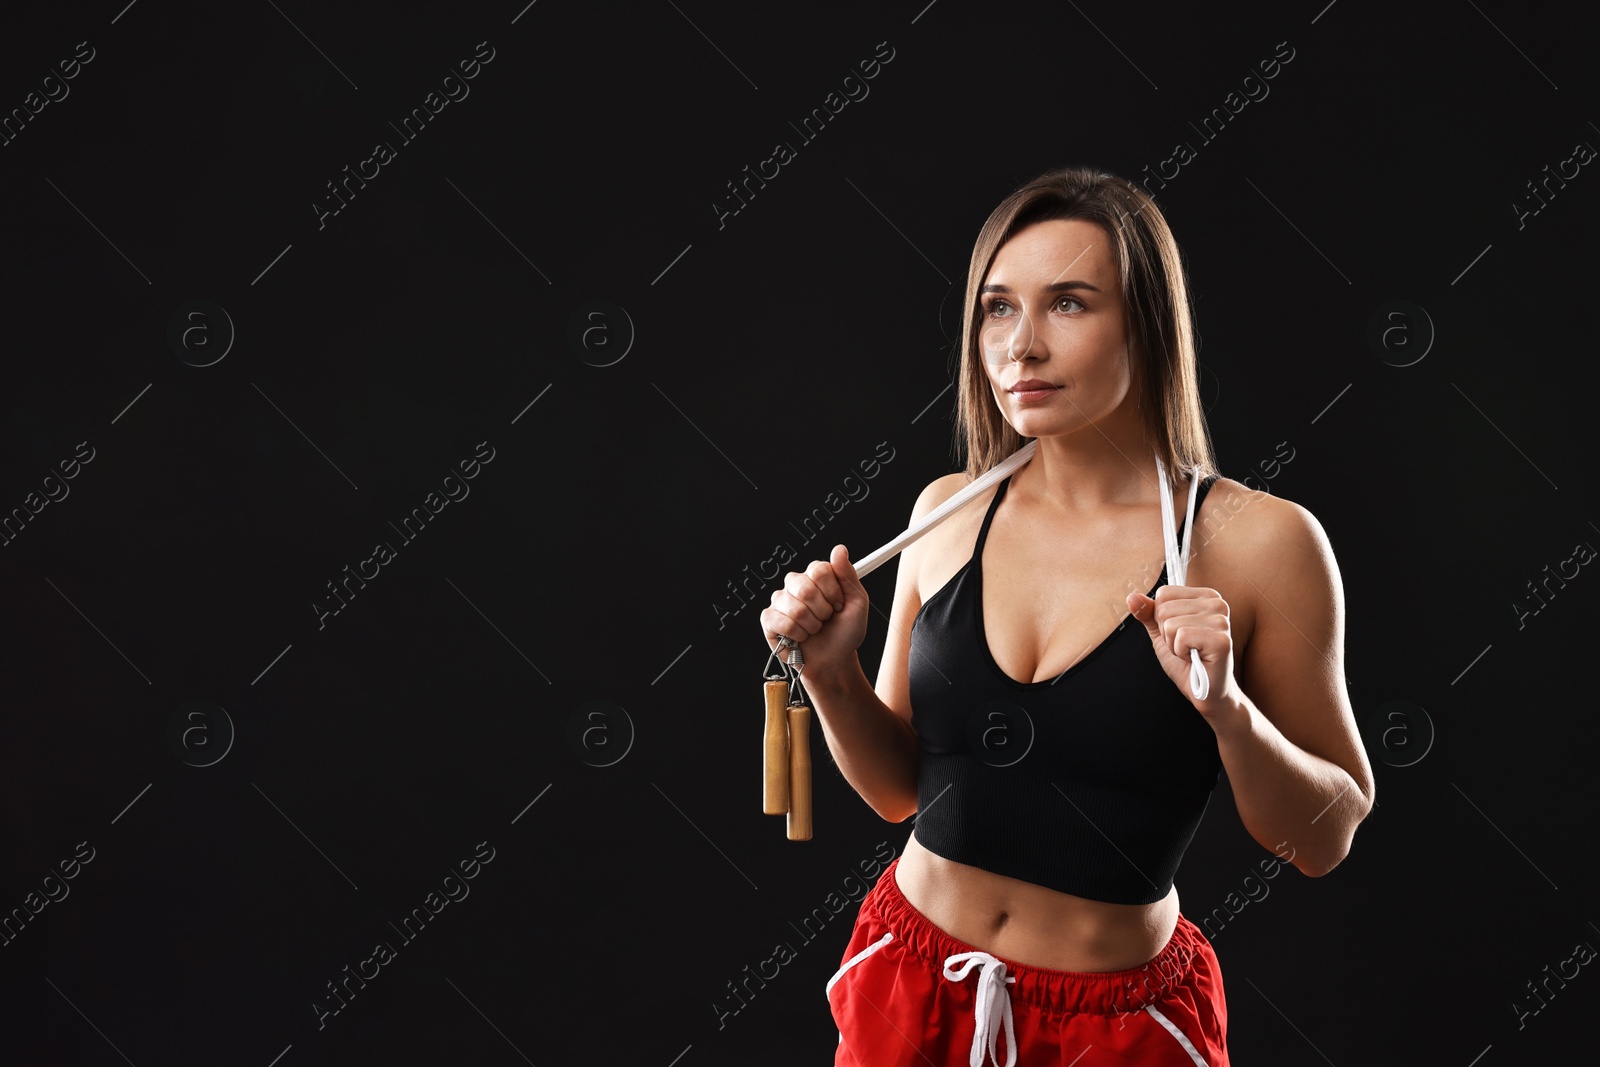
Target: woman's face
1051,310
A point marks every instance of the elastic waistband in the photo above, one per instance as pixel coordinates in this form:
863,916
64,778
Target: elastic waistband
1093,992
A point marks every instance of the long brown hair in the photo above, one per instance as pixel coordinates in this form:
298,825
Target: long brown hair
1155,299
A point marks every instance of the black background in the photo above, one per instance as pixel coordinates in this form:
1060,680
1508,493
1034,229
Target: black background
772,354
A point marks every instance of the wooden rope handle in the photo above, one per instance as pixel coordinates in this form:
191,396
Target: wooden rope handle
799,822
775,751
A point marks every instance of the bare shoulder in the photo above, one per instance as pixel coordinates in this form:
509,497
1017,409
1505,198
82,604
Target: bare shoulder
938,491
931,559
1249,526
1253,541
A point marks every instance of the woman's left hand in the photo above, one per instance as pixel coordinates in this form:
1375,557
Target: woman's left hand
1182,617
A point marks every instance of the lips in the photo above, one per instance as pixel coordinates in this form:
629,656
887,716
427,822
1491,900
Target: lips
1028,385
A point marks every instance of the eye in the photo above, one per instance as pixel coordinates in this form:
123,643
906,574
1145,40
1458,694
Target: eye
1069,300
992,307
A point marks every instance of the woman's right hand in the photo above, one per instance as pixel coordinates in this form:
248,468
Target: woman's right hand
823,609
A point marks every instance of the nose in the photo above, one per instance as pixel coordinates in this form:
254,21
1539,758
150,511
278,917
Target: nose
1012,340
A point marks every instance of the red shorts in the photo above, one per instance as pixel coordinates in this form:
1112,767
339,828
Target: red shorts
909,993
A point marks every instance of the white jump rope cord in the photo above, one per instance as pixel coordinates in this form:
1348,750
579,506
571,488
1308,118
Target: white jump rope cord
1178,564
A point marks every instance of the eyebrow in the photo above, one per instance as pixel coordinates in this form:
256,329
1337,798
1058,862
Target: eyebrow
1053,287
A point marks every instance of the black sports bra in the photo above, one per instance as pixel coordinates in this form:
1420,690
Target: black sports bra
1090,783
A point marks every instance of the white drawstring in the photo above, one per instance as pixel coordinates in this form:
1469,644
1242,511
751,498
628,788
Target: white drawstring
853,960
994,1005
1178,564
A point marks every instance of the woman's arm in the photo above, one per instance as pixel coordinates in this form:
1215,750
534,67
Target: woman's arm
1290,745
875,748
869,732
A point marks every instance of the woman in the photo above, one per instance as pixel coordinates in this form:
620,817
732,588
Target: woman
1058,772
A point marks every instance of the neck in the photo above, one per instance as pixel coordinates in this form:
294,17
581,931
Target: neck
1109,463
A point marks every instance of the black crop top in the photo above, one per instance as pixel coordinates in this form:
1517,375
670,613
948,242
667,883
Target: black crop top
1090,783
